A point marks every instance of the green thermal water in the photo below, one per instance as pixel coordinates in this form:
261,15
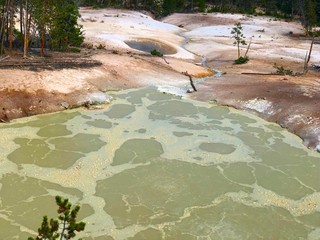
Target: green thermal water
154,166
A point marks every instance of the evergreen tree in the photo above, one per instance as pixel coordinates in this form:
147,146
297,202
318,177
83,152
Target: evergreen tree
309,15
202,5
41,21
63,228
238,36
169,6
64,29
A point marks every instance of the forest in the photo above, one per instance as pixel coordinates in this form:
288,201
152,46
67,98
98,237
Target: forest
308,11
53,23
39,23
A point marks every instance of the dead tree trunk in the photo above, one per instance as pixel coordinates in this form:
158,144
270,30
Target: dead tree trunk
191,81
310,51
248,48
308,57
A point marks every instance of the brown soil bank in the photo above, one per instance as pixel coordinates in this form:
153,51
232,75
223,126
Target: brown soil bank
280,99
27,89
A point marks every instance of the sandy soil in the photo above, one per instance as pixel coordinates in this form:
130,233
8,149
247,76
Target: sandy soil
291,101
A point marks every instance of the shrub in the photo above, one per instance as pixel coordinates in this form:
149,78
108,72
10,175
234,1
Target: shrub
74,49
101,46
87,45
282,71
241,60
154,52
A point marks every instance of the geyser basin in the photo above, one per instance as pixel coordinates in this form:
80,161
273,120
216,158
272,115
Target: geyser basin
154,166
148,45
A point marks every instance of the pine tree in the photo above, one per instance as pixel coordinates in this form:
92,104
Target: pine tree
65,227
169,6
202,5
309,16
64,29
238,36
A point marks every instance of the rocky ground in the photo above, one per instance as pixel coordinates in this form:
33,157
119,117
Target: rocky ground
292,101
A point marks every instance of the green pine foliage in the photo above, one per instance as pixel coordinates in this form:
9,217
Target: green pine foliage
169,6
64,30
50,23
241,60
238,36
309,18
202,5
155,52
65,227
282,71
307,10
54,22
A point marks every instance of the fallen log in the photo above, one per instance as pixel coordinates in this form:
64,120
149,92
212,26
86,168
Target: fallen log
256,73
4,58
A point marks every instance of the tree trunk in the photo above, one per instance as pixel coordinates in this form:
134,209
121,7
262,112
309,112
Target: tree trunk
7,21
21,18
308,56
2,28
67,41
11,24
25,45
4,18
248,48
190,79
43,27
310,50
28,31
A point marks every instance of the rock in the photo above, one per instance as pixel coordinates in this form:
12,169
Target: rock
98,98
93,107
65,105
212,101
190,90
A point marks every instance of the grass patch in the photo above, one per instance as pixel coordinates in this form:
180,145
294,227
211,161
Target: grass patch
282,71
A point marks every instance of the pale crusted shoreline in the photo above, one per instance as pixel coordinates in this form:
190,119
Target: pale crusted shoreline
293,102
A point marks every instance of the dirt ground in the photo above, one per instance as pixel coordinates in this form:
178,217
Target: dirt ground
291,101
